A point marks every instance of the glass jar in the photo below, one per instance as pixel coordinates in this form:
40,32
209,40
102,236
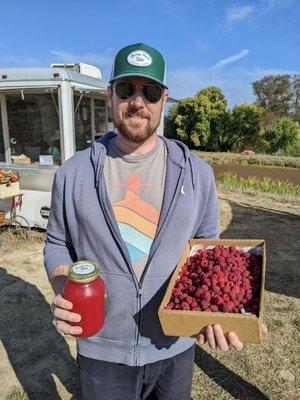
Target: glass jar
86,291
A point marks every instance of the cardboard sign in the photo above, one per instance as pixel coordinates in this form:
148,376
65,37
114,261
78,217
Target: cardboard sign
46,160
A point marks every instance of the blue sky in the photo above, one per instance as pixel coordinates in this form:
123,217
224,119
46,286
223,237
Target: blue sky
205,42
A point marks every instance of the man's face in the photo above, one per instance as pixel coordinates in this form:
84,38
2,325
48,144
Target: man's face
136,118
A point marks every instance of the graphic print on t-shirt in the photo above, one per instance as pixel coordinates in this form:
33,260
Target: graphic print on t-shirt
137,219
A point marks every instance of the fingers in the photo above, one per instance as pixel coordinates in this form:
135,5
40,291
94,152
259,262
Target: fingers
68,329
234,341
215,338
60,302
210,337
60,308
220,338
264,329
66,315
201,338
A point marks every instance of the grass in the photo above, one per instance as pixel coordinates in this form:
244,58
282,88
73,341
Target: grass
265,184
255,159
17,394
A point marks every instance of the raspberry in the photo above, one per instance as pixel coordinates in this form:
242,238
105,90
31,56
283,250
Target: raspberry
216,289
226,297
230,305
224,307
206,296
248,295
170,306
192,289
226,288
219,273
189,299
214,281
185,306
198,292
204,304
182,296
194,304
235,289
221,261
176,292
217,252
218,300
204,263
232,295
214,308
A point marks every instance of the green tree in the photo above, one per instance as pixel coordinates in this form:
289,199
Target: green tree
197,120
246,127
283,137
275,93
296,105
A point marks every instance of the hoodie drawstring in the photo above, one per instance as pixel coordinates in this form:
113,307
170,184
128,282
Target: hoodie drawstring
192,173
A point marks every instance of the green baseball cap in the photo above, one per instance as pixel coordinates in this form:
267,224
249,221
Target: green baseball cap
139,60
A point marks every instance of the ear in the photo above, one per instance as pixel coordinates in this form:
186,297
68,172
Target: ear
165,97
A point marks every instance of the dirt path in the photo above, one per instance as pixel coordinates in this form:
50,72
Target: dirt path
36,358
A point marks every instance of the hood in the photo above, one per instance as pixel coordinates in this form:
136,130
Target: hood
177,152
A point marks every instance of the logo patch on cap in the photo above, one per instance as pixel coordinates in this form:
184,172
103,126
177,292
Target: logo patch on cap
139,58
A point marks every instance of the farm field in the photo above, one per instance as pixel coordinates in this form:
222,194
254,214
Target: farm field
282,174
34,357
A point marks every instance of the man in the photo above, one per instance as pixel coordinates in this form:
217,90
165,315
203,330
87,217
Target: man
54,150
131,202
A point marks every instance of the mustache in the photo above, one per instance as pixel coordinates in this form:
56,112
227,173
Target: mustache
137,113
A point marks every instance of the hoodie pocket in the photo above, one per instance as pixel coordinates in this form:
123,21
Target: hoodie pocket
150,328
120,306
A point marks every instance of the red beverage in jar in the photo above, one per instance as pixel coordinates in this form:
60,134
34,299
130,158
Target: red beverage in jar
86,291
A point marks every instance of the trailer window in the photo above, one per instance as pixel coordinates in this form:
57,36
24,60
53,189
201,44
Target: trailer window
83,131
2,152
33,127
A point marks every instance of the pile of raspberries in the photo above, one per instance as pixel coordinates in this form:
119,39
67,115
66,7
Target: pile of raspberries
224,279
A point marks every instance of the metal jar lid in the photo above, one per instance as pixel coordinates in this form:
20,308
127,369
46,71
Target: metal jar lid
83,271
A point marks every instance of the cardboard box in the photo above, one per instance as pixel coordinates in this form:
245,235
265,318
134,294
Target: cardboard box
9,189
22,159
191,323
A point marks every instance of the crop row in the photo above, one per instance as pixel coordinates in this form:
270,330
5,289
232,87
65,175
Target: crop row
264,184
255,159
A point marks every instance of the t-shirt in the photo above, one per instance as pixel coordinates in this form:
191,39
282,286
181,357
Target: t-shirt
136,186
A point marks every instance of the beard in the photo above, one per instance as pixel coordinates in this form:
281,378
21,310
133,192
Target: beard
136,132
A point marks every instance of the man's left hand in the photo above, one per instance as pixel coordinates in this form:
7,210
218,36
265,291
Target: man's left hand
215,338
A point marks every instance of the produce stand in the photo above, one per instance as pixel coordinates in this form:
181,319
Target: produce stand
16,223
10,201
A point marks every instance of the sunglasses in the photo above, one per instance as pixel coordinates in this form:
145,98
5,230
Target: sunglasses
151,92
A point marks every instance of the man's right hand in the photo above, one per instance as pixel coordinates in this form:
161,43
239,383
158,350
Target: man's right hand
62,314
61,307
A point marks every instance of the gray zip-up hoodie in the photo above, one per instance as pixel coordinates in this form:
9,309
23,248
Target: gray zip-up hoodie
82,226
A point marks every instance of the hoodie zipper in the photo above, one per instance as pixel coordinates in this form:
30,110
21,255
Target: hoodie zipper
103,204
137,338
140,283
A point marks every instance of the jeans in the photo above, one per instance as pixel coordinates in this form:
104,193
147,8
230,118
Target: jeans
169,379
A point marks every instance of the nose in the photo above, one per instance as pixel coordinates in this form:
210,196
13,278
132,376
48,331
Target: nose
138,100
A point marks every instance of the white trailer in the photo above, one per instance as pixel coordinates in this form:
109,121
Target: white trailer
47,114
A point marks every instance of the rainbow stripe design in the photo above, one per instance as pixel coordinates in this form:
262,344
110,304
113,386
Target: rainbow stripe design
137,219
